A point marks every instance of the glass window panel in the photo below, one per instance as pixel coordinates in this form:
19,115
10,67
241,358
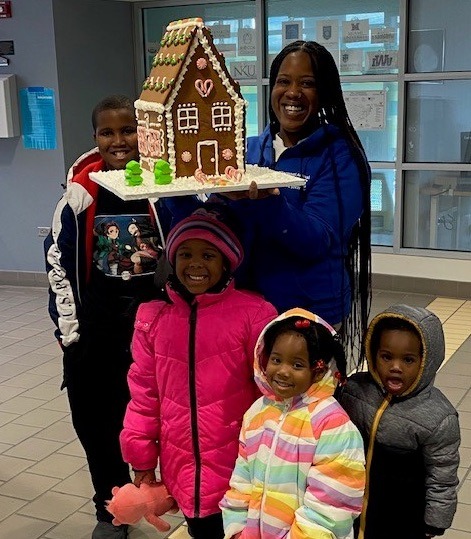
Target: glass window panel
227,20
439,36
438,122
437,210
383,183
363,38
250,94
379,142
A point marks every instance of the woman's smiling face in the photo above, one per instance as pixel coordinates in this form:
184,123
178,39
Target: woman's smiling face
294,98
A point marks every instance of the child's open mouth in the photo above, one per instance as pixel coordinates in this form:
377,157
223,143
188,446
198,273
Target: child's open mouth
394,385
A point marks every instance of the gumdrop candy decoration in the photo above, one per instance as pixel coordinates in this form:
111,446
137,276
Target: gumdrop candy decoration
162,172
132,174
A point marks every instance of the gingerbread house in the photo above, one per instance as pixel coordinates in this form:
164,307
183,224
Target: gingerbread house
191,112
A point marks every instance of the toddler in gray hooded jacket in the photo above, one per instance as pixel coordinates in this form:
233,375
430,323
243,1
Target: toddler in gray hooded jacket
410,429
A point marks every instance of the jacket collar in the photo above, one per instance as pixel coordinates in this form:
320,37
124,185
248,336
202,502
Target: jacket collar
203,300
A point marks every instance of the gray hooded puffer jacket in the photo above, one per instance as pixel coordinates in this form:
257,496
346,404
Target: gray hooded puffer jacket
412,441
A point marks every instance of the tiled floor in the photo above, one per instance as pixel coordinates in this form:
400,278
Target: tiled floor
44,484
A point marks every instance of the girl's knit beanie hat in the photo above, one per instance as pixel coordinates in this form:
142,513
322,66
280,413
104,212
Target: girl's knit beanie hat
210,229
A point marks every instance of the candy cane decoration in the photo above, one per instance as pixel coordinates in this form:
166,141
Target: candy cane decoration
200,176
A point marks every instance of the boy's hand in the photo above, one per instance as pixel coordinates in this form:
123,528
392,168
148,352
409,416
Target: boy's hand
144,476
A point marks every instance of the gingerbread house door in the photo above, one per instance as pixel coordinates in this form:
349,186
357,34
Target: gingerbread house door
208,161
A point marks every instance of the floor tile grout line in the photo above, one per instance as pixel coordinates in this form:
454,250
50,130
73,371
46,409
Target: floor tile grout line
51,359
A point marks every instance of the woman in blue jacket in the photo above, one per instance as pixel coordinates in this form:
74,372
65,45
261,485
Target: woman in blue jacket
308,247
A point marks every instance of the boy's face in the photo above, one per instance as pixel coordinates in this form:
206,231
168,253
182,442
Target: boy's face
398,360
116,137
199,265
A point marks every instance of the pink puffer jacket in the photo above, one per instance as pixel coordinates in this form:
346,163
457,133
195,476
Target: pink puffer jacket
191,382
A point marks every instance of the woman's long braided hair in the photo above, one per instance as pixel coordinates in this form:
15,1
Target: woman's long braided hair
332,110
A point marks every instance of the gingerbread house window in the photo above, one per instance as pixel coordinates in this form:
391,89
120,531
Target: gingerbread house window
187,119
151,141
222,117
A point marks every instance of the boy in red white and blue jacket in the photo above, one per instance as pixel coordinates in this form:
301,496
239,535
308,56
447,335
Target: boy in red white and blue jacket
93,288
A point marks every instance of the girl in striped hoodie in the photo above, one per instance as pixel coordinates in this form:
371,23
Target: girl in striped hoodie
300,470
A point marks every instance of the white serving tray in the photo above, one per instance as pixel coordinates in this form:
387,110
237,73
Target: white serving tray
266,178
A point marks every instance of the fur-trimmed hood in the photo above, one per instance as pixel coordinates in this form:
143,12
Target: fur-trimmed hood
430,329
318,390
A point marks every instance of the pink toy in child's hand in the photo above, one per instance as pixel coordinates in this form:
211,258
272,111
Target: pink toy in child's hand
130,503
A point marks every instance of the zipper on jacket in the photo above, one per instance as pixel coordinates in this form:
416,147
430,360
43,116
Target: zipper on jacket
193,404
274,443
369,458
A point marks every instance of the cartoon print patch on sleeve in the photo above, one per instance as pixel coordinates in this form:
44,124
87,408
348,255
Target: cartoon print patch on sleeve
126,245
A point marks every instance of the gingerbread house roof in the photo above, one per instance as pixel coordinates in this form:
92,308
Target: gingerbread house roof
171,62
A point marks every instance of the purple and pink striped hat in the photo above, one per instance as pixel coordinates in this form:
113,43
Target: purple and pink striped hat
203,227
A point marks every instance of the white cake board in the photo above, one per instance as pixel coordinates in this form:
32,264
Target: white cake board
266,178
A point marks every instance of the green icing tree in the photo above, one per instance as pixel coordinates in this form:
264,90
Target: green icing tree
162,172
132,174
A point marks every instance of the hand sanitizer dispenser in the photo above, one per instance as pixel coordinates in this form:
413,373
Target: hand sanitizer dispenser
9,119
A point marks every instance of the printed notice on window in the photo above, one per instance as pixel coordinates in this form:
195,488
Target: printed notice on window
367,109
356,30
351,60
38,118
327,33
246,42
383,35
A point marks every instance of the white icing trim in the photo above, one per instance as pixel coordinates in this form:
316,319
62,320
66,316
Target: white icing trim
170,142
190,116
142,105
143,124
239,105
221,112
168,108
191,22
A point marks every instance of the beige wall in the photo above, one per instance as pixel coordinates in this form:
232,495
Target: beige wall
425,267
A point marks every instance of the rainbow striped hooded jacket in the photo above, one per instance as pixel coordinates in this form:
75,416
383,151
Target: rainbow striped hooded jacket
300,470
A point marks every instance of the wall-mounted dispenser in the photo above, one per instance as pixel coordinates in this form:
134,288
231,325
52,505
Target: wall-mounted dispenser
9,118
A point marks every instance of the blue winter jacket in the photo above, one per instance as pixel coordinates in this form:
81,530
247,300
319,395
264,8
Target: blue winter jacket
300,238
295,243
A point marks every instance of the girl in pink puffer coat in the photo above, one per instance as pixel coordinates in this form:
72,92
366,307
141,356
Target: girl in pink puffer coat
192,377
